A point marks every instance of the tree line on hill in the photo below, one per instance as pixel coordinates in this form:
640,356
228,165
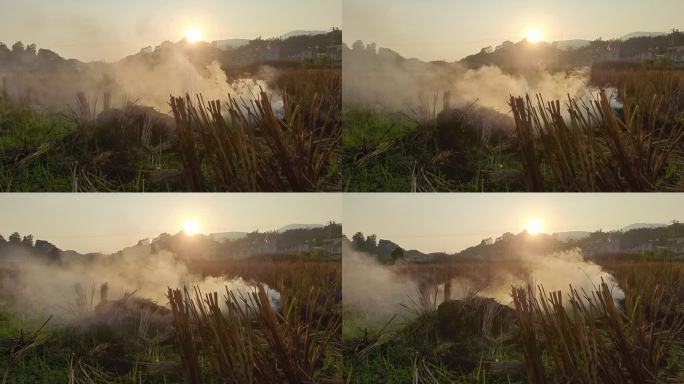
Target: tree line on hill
308,240
661,241
29,58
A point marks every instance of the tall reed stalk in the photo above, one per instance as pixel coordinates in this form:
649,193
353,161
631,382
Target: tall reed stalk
596,148
590,339
246,340
252,148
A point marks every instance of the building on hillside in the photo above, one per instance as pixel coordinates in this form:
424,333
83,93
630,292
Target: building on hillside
333,247
268,245
646,55
299,249
335,53
648,247
602,246
676,245
270,52
676,54
309,53
611,52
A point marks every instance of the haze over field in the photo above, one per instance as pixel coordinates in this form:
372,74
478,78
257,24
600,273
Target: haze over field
102,30
450,30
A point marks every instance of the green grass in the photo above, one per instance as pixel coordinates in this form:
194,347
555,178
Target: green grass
44,152
135,149
395,153
57,353
414,352
23,133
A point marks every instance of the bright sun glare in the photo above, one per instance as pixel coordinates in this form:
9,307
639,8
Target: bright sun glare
191,227
534,227
193,35
534,35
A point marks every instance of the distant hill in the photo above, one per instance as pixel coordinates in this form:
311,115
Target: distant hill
571,235
322,240
642,225
237,43
301,33
227,236
230,43
571,44
518,57
642,34
639,238
299,226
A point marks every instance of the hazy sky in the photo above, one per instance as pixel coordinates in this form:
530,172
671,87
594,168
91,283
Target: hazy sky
452,29
454,221
111,30
109,222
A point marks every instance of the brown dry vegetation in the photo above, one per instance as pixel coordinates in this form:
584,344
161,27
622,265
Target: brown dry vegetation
592,147
207,337
250,342
250,147
590,339
587,337
627,141
208,145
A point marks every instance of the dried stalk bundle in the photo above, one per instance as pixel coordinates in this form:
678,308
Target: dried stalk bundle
590,340
248,341
252,149
598,148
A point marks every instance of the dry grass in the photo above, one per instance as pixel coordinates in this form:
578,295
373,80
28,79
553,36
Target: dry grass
253,149
246,340
597,149
639,83
590,339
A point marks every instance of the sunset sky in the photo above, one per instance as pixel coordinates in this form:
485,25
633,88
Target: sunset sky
452,29
111,30
109,222
454,221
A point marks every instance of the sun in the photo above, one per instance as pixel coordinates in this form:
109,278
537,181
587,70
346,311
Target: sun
534,35
534,227
193,35
191,227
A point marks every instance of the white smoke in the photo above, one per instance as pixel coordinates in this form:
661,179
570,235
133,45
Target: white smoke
385,82
378,290
557,271
42,287
148,79
372,288
174,74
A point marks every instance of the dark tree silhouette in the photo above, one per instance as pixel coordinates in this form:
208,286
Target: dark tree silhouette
15,238
397,254
18,47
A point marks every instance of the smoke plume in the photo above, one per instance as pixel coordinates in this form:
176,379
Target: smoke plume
554,272
385,81
381,291
149,78
39,286
372,288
